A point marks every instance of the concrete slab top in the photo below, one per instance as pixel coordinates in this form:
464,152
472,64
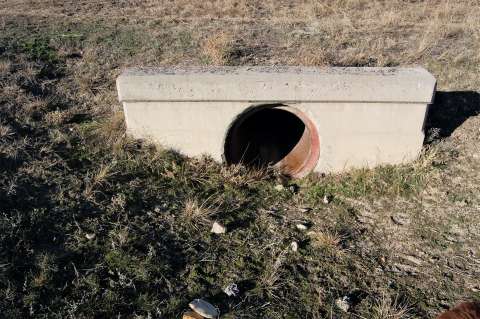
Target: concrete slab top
285,84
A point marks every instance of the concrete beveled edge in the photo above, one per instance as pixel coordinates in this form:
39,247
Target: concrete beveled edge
287,84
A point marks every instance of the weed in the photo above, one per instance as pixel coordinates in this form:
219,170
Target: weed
40,49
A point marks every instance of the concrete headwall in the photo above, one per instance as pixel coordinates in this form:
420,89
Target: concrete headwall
363,116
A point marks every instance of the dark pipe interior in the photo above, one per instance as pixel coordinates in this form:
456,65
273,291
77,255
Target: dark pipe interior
263,137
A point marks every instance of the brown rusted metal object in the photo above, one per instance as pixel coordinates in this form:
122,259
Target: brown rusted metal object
304,156
276,135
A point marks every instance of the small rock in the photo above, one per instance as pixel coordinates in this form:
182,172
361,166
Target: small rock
294,246
231,290
191,315
326,199
218,228
90,236
301,227
305,209
279,187
343,303
294,188
204,308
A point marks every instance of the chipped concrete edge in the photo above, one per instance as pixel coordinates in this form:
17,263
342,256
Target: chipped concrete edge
287,84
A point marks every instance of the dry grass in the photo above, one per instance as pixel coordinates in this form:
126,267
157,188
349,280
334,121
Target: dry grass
386,308
387,238
327,241
98,179
443,35
5,67
216,48
6,131
196,213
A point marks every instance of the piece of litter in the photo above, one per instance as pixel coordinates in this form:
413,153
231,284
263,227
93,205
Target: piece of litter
343,304
204,308
301,227
90,236
218,228
294,246
231,290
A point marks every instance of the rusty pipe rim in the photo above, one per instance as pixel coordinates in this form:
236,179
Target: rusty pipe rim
300,145
304,156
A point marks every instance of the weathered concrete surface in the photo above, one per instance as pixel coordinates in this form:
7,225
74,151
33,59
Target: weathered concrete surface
364,116
277,84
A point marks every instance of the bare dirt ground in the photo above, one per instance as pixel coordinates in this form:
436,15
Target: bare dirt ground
94,224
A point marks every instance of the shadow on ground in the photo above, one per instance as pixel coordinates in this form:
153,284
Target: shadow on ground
449,111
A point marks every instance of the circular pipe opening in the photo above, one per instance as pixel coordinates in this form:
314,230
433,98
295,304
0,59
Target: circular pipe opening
274,135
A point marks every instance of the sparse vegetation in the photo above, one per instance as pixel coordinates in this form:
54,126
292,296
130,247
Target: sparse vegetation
94,224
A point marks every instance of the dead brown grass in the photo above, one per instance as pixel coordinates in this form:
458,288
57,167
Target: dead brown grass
442,35
390,308
70,170
216,48
197,213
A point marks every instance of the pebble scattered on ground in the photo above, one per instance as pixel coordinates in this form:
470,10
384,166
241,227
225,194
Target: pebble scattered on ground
204,308
301,227
218,228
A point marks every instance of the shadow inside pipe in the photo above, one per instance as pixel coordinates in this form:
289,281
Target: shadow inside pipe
262,136
449,111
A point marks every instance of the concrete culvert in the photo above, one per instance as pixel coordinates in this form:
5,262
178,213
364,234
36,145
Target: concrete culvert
276,135
365,116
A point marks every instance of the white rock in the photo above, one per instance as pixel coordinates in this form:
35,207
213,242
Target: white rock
204,308
90,236
218,228
301,227
279,187
343,304
294,246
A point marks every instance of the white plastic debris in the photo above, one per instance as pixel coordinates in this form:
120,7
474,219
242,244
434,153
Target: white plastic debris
294,246
90,236
218,228
343,303
301,227
231,290
204,308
